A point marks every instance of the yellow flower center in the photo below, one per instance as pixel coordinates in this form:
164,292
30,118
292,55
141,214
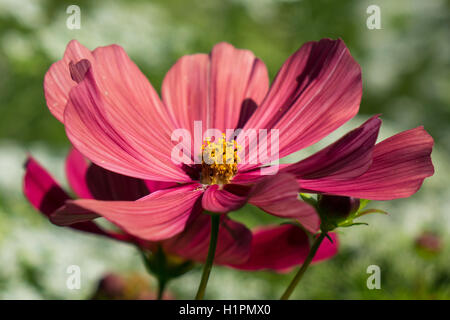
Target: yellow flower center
219,161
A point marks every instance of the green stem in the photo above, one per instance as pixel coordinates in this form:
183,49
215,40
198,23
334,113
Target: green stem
215,220
305,265
161,266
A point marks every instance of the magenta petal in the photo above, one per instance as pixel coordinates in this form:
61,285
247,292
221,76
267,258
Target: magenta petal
185,91
76,170
43,192
153,186
236,75
278,195
58,80
233,245
282,247
115,136
400,164
158,216
348,157
214,87
133,106
90,181
316,91
221,200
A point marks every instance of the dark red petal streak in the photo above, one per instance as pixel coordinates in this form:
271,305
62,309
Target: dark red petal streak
107,185
213,88
316,91
102,131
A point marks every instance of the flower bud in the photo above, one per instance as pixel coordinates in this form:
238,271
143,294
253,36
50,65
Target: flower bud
335,209
110,286
428,244
337,206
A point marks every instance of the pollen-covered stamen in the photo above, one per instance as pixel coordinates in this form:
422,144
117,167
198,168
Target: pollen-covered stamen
219,161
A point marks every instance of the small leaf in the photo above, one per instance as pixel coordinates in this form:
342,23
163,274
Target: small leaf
368,211
357,224
363,203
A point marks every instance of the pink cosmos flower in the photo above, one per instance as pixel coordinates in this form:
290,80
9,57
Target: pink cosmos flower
237,247
114,117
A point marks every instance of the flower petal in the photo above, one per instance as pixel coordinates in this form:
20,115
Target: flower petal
316,91
236,75
153,186
233,244
221,200
133,104
278,195
158,216
58,81
45,194
348,157
115,129
281,248
185,91
76,171
107,185
400,164
214,88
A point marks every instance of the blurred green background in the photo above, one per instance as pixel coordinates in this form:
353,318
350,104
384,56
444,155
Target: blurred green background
406,68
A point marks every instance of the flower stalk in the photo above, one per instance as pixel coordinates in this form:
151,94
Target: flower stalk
312,252
215,220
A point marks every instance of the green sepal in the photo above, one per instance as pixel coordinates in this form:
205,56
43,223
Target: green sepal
309,199
329,225
353,224
328,237
363,203
163,266
368,211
